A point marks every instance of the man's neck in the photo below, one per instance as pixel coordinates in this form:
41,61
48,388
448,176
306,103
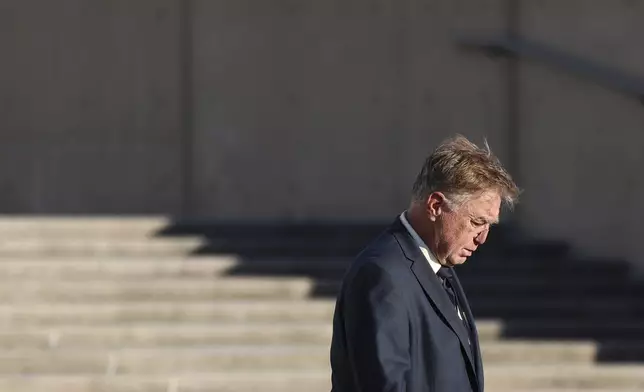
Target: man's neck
424,249
419,224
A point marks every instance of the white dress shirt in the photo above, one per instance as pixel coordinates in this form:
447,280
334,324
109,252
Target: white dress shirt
431,259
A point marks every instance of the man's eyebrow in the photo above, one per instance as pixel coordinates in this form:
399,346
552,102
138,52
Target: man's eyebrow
491,221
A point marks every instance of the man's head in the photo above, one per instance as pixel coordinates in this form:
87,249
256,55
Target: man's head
457,196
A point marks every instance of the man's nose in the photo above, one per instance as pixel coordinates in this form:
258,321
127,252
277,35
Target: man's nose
481,237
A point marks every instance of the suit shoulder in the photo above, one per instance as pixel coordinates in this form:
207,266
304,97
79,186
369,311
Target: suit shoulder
383,253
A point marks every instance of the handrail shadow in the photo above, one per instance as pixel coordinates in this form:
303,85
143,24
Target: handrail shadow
509,45
539,290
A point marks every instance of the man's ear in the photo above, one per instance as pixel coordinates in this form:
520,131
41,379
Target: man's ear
435,205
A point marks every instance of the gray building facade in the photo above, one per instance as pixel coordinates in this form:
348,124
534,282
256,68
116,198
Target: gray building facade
297,110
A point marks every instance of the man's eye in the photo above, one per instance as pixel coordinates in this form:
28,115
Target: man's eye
478,223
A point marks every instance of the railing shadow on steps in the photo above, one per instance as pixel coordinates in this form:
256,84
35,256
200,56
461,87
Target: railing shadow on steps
538,290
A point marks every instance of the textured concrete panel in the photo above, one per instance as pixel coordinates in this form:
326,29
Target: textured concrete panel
285,119
327,109
582,143
88,178
448,90
89,92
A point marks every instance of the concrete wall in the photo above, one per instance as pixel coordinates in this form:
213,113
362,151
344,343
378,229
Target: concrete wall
301,109
326,109
312,109
89,106
581,144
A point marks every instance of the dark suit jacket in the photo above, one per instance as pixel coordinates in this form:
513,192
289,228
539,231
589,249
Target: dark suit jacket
395,329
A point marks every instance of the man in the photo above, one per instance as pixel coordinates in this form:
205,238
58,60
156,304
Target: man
402,322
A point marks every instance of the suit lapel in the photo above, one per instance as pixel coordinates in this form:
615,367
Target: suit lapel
432,288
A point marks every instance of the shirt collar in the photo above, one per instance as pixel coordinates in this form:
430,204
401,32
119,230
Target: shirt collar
421,244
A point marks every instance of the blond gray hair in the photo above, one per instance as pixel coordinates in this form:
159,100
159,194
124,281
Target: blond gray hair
460,169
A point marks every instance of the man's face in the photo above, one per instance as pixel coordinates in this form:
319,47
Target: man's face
461,230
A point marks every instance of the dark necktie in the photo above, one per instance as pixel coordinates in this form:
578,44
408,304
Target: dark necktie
445,276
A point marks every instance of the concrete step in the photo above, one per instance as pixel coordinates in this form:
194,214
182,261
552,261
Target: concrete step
310,328
163,361
484,300
539,266
279,381
556,389
132,313
550,352
52,315
205,267
282,382
21,227
66,268
157,335
551,376
156,360
160,290
195,335
549,288
479,292
625,307
348,247
501,379
600,329
92,247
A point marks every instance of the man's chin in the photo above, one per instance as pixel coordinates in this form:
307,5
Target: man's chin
453,261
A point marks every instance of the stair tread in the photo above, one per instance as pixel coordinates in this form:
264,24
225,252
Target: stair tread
118,296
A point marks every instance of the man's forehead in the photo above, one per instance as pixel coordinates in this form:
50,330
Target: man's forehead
486,205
